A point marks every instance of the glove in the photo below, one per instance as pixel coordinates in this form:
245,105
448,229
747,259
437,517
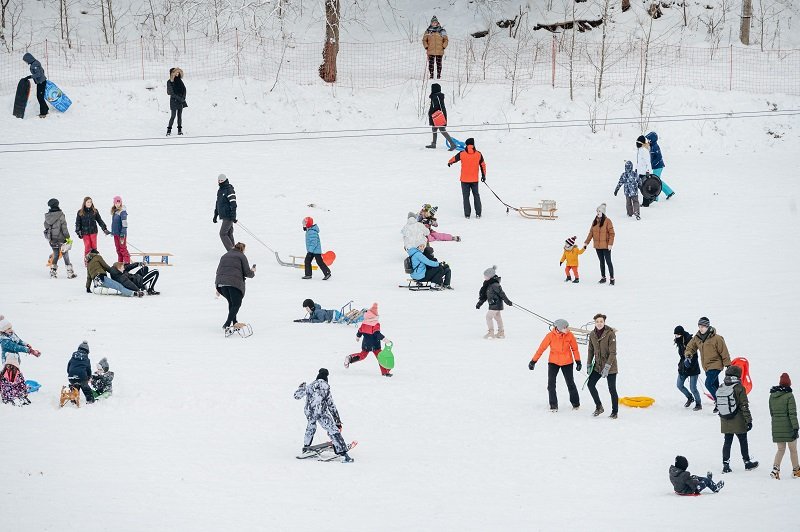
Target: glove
339,426
749,427
687,362
79,235
235,221
560,263
584,246
107,232
302,384
449,165
34,352
578,365
297,321
215,218
615,192
510,304
531,364
483,179
605,371
477,305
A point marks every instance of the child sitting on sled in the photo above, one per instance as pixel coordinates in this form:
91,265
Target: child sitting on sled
370,332
685,483
101,379
427,217
13,389
570,255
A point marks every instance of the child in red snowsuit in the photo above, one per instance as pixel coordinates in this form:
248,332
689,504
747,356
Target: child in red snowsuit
370,332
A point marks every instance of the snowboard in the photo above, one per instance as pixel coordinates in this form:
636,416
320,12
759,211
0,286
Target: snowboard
21,99
56,97
317,450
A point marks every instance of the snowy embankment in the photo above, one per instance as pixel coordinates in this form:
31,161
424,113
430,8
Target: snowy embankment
202,431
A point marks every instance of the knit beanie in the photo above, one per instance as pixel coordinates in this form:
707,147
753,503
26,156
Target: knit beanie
103,364
371,316
5,325
571,241
681,463
561,325
785,380
469,142
601,209
117,199
704,321
323,374
640,140
679,330
308,303
53,203
84,346
434,19
488,273
221,178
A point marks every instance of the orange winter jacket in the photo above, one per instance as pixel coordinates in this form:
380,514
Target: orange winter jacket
471,162
563,348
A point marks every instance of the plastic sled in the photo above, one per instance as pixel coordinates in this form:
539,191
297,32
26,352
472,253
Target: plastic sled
460,146
105,291
742,362
56,97
33,386
687,494
386,357
637,402
651,187
21,98
298,262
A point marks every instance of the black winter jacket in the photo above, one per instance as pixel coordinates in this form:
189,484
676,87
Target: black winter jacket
87,224
124,278
682,481
177,94
437,103
79,366
694,367
370,341
492,291
226,201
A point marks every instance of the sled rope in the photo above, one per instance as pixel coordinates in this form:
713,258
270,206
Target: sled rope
500,200
246,230
532,313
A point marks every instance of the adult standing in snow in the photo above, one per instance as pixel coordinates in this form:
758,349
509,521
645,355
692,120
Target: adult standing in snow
314,249
713,353
414,232
435,41
734,418
783,411
119,228
471,163
37,74
232,272
225,209
688,368
57,234
657,163
177,99
437,104
643,167
86,222
320,408
603,363
563,350
602,234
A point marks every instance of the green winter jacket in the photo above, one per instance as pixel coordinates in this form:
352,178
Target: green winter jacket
96,266
783,410
738,424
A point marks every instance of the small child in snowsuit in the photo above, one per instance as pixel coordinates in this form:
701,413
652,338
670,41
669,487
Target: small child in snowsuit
79,371
427,217
370,332
630,180
570,255
492,292
314,249
685,483
13,389
317,314
102,379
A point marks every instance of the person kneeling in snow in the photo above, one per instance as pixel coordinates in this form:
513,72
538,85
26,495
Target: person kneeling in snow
319,408
13,389
99,273
79,371
317,314
685,483
102,378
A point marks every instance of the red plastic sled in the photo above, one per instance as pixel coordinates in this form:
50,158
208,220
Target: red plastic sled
745,365
687,494
329,256
438,119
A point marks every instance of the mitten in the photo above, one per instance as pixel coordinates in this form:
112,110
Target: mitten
449,164
215,218
477,305
510,304
531,364
560,263
615,191
749,427
235,220
687,362
578,365
107,232
483,179
605,371
34,352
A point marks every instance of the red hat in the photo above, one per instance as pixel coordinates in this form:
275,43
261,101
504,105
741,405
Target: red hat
785,380
308,221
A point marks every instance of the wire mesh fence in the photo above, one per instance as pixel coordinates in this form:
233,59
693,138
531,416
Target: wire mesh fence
525,62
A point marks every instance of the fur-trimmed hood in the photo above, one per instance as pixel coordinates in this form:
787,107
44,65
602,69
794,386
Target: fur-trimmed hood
175,72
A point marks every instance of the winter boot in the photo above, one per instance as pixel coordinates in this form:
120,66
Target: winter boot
568,279
602,280
597,411
180,130
776,472
718,486
726,467
697,407
611,281
688,403
306,277
346,459
796,472
346,361
327,276
388,375
489,334
151,292
70,272
432,145
749,466
139,294
613,415
457,238
576,280
500,333
53,272
553,409
169,131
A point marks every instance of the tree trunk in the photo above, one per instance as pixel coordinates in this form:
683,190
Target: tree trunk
327,70
747,13
626,5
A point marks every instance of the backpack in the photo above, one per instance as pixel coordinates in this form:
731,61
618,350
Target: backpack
726,402
407,265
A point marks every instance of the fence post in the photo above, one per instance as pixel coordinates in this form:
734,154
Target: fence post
46,60
238,73
730,70
554,62
141,50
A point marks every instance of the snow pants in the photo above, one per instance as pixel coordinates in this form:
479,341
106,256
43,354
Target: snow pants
612,390
574,270
604,255
357,357
16,389
726,447
692,384
437,275
321,263
494,316
234,297
466,188
327,423
56,247
83,385
792,453
437,236
665,188
40,90
122,249
632,205
89,243
149,280
438,60
226,234
552,373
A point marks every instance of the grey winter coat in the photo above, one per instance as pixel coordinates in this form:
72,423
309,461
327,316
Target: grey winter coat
37,72
233,269
682,481
319,401
55,227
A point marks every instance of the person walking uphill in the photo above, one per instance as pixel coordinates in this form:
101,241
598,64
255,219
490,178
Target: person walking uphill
57,234
713,353
232,272
688,368
492,292
225,209
783,411
563,350
471,162
119,228
86,222
320,408
437,104
657,163
38,77
177,99
734,418
435,41
602,363
314,249
601,233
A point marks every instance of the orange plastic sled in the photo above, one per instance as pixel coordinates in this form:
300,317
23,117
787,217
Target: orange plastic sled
745,365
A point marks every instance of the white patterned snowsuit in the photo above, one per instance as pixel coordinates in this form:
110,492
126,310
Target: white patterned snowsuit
319,407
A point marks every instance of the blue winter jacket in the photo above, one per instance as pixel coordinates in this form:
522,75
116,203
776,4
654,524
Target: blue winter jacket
320,315
11,345
119,223
37,72
630,179
656,160
313,244
419,263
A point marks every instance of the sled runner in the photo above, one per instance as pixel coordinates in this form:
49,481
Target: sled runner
70,395
349,315
315,451
242,329
21,98
297,262
545,211
56,97
418,286
147,258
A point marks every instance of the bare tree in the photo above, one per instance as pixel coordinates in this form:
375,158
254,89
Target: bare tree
3,8
606,6
13,15
327,70
747,15
63,19
520,51
766,12
646,39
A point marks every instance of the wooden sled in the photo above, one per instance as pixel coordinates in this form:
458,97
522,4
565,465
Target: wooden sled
545,211
298,262
147,258
70,394
242,329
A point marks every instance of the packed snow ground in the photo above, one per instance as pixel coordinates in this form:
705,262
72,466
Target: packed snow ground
202,431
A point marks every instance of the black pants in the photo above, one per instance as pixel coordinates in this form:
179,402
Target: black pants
234,297
149,280
438,275
552,373
179,112
476,195
612,389
74,382
445,134
605,257
726,447
438,59
40,96
321,263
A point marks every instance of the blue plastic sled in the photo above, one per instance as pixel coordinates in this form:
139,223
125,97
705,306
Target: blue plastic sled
460,146
56,97
33,386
